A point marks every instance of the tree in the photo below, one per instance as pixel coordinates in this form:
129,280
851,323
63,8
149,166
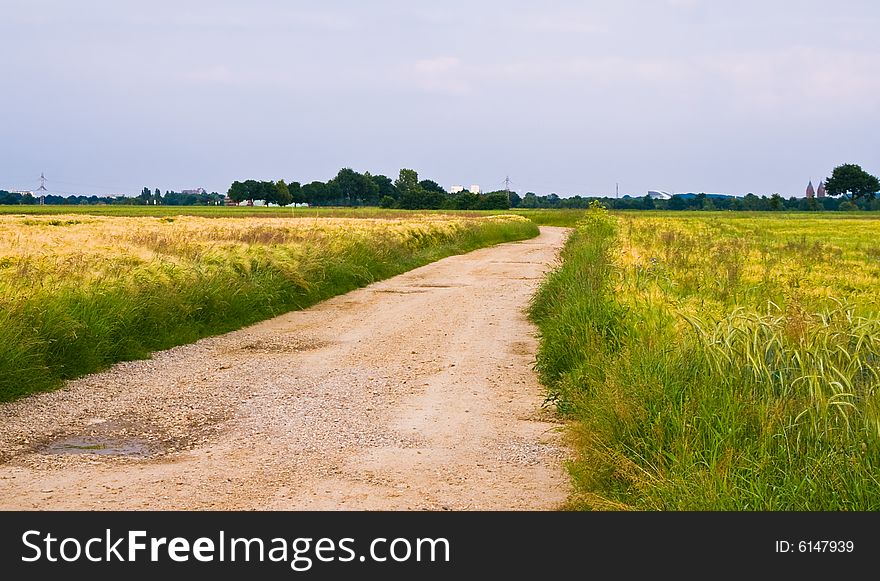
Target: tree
237,192
530,200
387,202
253,190
407,181
296,194
432,186
386,187
463,200
850,179
493,201
315,193
267,192
751,202
412,196
348,184
157,197
282,194
775,202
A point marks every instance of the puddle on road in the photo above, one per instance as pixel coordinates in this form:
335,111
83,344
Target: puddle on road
95,445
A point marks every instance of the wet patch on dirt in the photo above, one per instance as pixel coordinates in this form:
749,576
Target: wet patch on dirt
520,348
399,291
131,447
282,344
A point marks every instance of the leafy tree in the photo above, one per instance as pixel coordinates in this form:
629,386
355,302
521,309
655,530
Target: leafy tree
386,187
157,197
530,200
316,193
463,200
348,185
751,202
515,200
412,196
676,202
493,201
237,192
775,202
407,181
387,202
432,186
851,180
282,194
253,191
296,194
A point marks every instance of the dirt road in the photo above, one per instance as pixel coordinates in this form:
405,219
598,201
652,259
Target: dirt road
415,393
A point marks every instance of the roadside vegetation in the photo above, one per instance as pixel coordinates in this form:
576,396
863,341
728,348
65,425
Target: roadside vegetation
712,362
79,292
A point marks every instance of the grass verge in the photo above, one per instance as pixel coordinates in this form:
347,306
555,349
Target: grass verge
691,386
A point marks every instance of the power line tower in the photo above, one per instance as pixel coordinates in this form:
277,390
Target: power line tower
507,189
42,189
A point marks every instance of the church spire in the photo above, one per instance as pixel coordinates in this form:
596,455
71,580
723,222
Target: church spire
810,191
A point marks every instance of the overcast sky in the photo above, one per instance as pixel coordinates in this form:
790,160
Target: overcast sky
562,96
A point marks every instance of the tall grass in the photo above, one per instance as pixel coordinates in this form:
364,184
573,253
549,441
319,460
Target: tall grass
712,365
79,294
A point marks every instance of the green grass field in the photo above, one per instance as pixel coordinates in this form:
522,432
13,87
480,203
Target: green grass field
717,361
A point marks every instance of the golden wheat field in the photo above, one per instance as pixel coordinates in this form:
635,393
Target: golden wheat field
78,292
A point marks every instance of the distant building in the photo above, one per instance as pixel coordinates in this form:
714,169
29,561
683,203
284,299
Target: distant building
820,193
197,191
227,201
659,195
455,189
474,189
811,193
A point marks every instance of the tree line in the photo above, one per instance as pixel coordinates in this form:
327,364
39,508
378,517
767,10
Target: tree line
848,188
172,198
351,188
147,197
